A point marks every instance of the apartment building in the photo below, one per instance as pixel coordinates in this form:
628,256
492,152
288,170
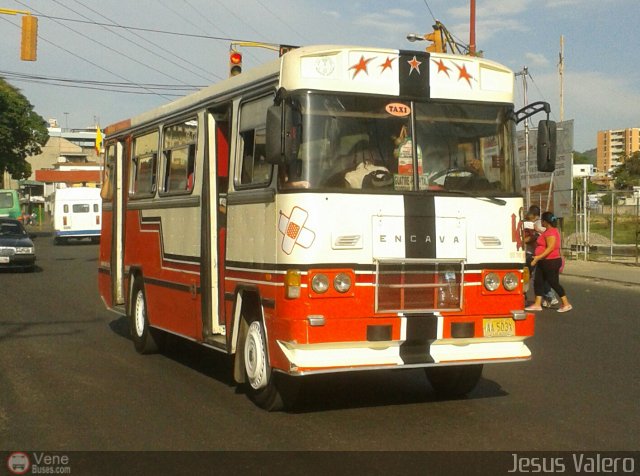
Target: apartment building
615,144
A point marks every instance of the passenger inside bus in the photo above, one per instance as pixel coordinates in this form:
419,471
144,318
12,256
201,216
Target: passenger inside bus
363,166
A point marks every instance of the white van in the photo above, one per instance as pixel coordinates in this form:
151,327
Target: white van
77,213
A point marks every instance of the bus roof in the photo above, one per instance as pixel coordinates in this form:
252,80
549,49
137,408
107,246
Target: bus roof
355,69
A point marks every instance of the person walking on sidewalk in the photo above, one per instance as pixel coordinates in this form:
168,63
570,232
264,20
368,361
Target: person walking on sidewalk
547,262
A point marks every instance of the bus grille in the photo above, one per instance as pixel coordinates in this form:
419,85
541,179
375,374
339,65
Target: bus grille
418,285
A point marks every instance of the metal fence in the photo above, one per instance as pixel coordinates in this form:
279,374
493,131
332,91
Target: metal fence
602,226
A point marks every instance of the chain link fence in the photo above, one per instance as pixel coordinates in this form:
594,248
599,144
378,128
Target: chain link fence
603,226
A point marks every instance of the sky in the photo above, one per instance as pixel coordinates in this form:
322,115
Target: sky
90,73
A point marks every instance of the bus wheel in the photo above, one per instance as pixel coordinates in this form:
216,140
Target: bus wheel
143,336
260,380
269,390
454,381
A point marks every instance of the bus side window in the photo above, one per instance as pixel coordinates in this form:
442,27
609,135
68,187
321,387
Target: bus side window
106,193
254,170
144,165
179,152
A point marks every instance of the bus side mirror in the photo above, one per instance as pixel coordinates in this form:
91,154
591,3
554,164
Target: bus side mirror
546,146
283,134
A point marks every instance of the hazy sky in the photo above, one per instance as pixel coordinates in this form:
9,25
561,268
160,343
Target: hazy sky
601,80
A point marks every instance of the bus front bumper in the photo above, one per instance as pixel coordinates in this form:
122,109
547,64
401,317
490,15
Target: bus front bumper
348,356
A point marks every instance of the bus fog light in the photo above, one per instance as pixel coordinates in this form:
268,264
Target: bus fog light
492,281
342,282
320,283
510,281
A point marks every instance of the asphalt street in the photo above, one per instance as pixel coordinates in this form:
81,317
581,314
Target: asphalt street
71,380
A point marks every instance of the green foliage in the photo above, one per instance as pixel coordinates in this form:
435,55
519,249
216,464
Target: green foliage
579,158
22,132
627,174
578,184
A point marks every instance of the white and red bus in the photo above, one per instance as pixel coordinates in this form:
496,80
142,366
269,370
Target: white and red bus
339,209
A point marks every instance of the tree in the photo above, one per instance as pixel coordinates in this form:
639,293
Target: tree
627,174
579,158
22,132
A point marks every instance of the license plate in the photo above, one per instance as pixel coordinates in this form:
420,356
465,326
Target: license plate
500,327
4,259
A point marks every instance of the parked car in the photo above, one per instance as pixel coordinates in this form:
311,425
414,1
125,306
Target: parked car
16,247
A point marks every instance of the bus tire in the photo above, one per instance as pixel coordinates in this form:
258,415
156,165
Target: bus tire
453,381
271,391
144,339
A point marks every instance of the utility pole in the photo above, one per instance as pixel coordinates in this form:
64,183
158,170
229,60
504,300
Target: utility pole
561,71
472,28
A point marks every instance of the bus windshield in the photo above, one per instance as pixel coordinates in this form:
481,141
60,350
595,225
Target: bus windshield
362,143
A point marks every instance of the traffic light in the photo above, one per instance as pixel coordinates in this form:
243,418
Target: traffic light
437,45
235,63
29,41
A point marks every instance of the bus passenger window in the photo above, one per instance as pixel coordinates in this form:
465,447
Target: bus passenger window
179,152
107,181
254,169
143,165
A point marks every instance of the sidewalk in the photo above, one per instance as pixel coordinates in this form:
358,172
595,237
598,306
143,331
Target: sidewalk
622,273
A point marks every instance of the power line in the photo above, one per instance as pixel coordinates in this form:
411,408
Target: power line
153,30
110,48
95,88
86,60
170,87
430,12
279,18
153,52
231,12
149,30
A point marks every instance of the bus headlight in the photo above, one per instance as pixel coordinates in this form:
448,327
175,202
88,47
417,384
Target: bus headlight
342,283
510,281
492,281
320,283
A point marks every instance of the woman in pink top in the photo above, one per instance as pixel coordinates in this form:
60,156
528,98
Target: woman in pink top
548,260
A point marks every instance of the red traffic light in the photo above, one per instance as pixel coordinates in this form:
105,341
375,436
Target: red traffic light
235,57
235,63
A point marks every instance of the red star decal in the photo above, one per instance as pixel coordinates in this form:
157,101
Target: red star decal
386,64
464,74
360,66
442,68
415,65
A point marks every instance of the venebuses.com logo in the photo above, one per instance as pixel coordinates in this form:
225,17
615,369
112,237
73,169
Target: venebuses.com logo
20,462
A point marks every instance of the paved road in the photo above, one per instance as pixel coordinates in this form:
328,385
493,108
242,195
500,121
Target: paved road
70,380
